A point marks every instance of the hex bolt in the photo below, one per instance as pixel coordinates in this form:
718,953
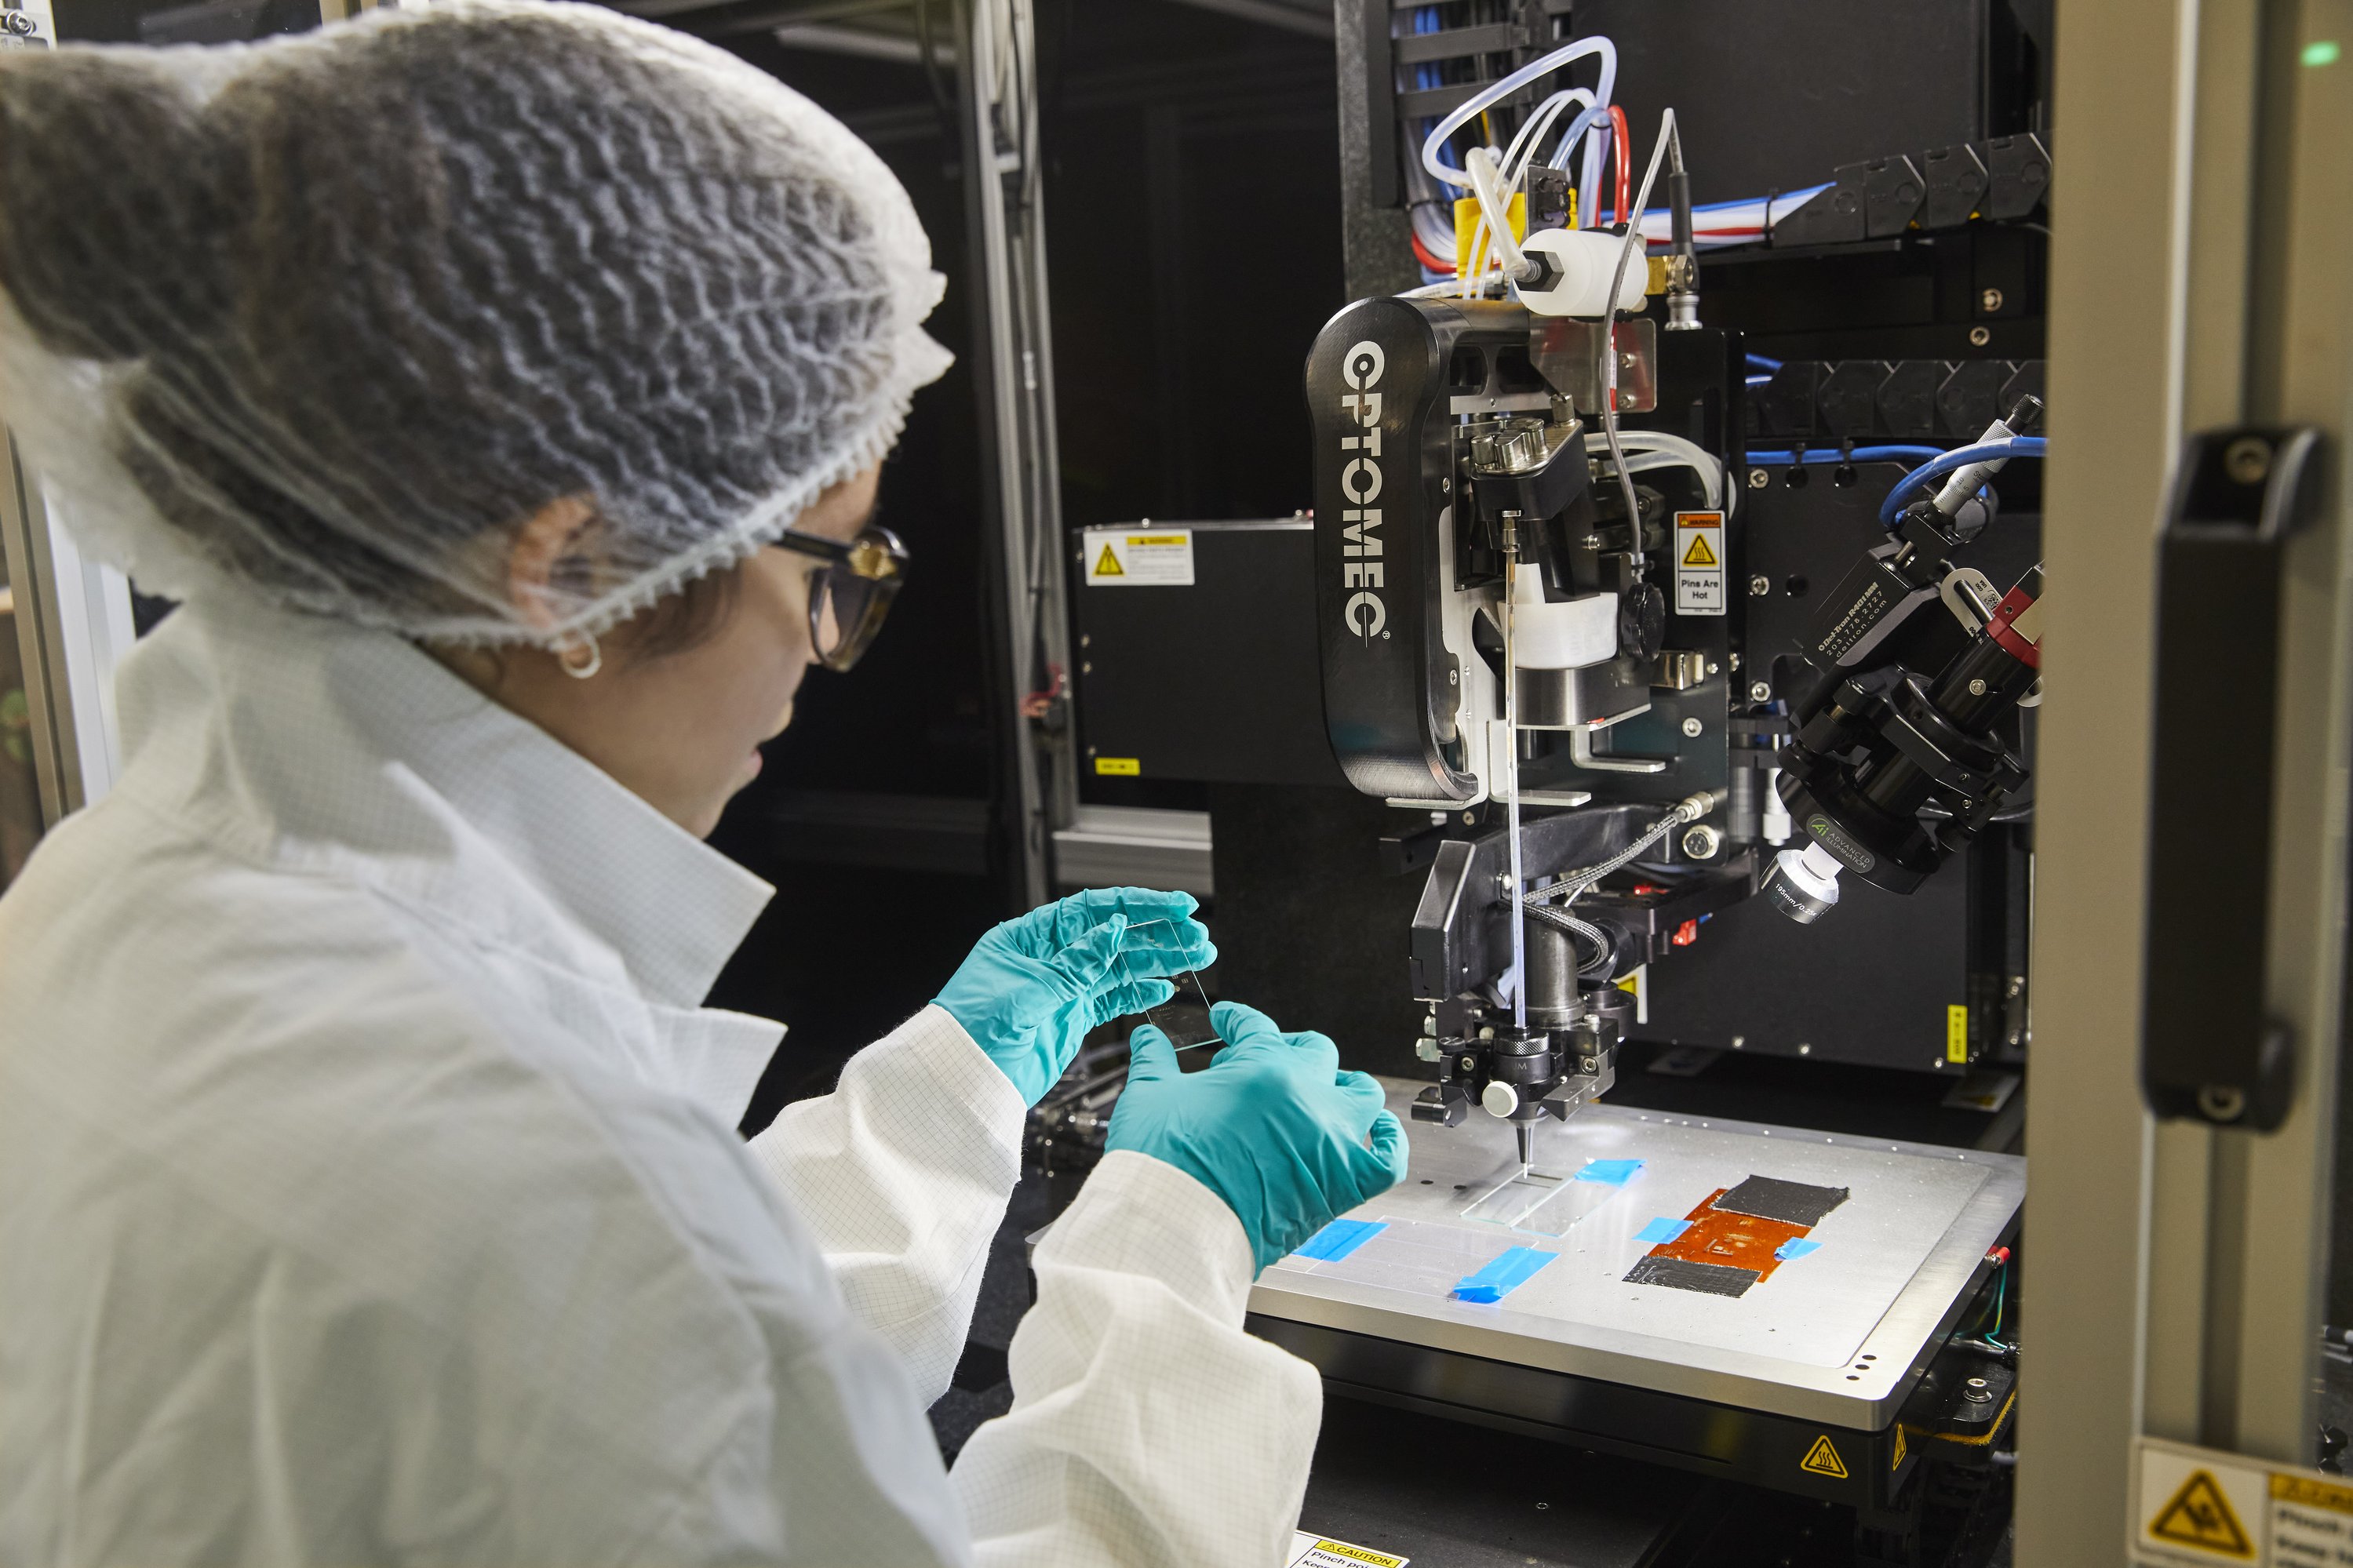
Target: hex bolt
1990,300
1760,585
1758,691
1980,336
1692,727
1976,688
1758,479
1978,1391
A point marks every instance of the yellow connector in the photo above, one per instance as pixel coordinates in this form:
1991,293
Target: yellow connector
1466,223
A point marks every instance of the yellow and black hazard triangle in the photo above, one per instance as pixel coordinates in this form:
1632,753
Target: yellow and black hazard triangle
2200,1515
1822,1459
1107,564
1699,554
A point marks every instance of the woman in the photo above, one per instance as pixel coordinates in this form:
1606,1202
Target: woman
502,387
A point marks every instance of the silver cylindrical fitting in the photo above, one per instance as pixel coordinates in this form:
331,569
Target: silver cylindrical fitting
1963,483
1803,883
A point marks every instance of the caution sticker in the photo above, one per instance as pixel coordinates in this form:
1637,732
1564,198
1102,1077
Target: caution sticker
2197,1506
1898,1463
26,25
1956,1034
1138,558
1822,1459
1699,563
1315,1551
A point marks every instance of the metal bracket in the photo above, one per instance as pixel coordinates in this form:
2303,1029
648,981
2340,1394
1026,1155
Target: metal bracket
2208,1049
1581,752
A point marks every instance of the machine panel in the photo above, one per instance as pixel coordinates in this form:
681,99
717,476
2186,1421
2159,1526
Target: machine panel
1838,1334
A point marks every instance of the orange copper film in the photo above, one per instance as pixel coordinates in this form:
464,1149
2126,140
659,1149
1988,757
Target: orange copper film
1730,1240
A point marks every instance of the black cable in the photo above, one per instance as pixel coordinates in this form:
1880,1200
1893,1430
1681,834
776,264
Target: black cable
930,51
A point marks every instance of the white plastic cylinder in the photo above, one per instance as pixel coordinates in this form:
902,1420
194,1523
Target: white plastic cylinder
1568,634
1584,259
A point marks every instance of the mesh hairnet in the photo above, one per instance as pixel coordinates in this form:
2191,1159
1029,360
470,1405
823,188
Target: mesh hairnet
333,315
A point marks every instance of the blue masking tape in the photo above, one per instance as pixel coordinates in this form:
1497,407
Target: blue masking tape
1662,1229
1616,1172
1795,1246
1503,1275
1341,1237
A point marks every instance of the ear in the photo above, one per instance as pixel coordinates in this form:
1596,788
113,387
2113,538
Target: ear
555,532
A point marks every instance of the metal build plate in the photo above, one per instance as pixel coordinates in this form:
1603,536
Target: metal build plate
1837,1334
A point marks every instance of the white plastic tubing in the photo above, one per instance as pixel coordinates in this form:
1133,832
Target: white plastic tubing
1495,198
1471,276
1544,65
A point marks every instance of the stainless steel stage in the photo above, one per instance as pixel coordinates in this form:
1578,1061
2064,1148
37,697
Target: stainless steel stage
1835,1333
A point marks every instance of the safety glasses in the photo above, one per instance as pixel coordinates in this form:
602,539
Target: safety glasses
850,593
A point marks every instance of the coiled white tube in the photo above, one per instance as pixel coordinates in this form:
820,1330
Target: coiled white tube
1544,65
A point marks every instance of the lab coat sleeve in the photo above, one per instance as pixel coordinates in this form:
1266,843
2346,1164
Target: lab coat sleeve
1146,1427
902,1174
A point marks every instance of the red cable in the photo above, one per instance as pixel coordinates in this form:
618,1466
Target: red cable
1625,174
1421,252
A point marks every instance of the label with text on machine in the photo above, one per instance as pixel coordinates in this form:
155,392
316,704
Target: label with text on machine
1699,563
1315,1551
2199,1506
1139,557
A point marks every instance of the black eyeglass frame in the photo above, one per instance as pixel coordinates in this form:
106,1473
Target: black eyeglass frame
875,560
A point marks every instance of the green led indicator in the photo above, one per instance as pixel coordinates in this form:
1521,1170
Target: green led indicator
2321,52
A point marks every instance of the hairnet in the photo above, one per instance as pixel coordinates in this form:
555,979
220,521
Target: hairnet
333,315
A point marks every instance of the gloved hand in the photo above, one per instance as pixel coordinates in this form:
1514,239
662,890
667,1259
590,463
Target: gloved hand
1271,1126
1035,985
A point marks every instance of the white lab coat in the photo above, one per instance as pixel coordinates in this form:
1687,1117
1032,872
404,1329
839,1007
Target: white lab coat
369,1192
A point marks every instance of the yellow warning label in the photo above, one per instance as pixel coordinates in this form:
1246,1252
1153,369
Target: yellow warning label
1347,1554
1146,539
1699,554
1898,1463
1121,767
1824,1459
1956,1034
2309,1493
1107,564
2200,1515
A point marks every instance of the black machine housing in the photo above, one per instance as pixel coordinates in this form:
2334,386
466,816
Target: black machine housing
1902,752
1743,707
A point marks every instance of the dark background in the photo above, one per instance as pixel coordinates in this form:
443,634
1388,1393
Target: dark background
1192,210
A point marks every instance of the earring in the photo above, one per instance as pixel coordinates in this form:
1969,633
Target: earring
586,668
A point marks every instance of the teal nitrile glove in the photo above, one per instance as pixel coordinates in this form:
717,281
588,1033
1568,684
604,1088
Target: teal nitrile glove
1272,1126
1035,984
